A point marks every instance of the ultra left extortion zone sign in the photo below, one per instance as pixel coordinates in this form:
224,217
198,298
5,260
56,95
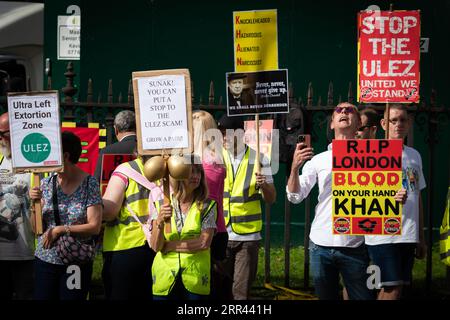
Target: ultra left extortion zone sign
35,131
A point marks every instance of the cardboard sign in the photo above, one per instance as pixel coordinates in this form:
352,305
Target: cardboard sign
109,164
366,176
263,92
163,111
92,139
255,40
389,56
265,136
35,131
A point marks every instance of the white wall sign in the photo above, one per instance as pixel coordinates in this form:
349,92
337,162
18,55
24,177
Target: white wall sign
69,29
35,131
163,111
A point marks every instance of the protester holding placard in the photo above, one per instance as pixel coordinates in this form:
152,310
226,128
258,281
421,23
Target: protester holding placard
330,254
394,255
16,235
182,268
244,190
127,254
73,198
208,149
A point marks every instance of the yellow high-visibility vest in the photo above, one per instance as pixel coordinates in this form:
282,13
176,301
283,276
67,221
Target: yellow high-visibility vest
241,199
195,268
444,242
124,232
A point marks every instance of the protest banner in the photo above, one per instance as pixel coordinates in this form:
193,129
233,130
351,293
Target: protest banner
163,111
163,108
35,131
109,164
366,175
388,56
35,137
255,40
262,92
93,138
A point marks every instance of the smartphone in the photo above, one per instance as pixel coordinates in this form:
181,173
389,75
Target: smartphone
306,139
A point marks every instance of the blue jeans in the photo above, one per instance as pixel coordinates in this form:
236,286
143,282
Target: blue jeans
395,260
328,262
51,281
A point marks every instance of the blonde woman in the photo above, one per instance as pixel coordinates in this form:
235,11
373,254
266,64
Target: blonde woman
208,146
181,268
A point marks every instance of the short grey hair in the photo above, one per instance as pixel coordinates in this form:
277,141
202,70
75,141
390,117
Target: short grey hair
125,121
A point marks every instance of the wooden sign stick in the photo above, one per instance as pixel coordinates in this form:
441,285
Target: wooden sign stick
257,163
387,120
166,190
37,208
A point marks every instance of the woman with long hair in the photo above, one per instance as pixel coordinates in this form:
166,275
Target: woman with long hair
181,268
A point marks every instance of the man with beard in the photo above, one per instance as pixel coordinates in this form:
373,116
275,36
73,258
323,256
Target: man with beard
16,235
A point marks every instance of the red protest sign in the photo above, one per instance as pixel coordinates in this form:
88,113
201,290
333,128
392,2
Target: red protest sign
389,56
367,155
366,175
90,140
109,164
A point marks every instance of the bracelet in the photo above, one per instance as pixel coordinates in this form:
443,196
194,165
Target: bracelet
67,229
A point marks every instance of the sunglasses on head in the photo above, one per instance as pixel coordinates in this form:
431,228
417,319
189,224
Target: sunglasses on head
346,110
4,133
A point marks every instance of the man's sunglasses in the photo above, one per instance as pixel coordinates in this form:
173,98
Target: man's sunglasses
346,110
363,127
4,133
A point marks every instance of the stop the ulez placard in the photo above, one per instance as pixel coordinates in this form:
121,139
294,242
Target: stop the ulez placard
35,131
389,56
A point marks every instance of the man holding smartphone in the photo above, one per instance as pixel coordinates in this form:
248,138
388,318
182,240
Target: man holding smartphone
330,255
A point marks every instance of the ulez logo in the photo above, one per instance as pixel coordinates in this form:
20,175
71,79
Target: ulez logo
35,147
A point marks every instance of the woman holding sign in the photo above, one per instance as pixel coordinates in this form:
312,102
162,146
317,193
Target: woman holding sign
182,266
71,209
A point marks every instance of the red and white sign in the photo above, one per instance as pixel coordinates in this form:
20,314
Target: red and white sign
389,56
109,164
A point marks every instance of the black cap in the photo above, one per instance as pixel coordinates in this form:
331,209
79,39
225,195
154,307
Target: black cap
234,76
226,122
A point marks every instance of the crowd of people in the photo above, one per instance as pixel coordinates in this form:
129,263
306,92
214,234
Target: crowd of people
210,250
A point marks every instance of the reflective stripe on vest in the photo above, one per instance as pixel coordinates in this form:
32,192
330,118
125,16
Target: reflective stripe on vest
124,232
195,267
444,241
241,200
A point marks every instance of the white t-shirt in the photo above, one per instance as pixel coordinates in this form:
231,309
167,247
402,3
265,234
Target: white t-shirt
319,170
16,234
413,181
235,161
